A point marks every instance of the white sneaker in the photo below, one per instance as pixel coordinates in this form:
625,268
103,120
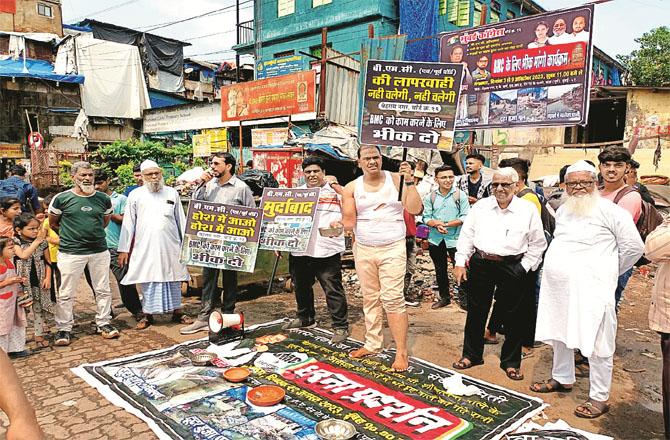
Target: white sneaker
197,326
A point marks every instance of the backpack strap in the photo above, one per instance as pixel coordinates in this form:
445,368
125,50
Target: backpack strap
525,191
622,193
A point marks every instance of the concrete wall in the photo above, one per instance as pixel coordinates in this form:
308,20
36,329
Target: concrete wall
27,19
648,114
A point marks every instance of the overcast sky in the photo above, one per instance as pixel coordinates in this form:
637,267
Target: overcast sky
616,23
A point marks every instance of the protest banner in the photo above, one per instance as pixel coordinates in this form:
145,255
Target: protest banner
531,71
180,401
278,96
410,104
221,236
288,217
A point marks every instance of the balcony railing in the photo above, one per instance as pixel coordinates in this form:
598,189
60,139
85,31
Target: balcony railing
247,32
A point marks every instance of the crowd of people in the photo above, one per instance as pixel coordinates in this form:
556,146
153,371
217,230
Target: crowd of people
536,270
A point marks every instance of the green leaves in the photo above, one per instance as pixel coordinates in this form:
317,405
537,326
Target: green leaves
650,64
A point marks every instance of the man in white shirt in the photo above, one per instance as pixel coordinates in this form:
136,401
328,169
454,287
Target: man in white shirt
594,242
578,32
560,36
504,240
322,258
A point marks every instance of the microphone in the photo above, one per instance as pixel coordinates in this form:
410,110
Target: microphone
209,171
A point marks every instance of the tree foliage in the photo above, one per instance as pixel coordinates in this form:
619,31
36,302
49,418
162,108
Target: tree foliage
650,64
135,151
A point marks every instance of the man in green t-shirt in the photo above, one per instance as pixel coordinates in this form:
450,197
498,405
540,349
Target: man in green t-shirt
80,216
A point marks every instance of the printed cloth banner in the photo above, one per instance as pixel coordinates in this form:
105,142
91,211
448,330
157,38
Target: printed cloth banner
278,96
181,401
288,217
279,66
532,71
410,104
221,236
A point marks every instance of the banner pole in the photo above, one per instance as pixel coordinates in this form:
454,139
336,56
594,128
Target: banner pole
402,176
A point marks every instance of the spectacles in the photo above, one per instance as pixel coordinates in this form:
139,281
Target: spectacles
503,185
582,183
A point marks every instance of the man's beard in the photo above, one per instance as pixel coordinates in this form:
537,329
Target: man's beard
155,186
86,188
581,206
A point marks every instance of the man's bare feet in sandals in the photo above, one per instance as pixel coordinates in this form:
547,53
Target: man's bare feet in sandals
550,386
361,353
41,342
592,409
400,363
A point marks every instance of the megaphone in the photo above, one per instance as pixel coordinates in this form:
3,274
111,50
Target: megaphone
226,327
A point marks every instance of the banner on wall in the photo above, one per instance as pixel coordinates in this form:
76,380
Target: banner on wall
531,71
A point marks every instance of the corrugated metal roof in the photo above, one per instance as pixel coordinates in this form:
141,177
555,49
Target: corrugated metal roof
342,75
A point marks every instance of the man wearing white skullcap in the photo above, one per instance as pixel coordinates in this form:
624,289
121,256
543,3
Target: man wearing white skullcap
155,221
594,241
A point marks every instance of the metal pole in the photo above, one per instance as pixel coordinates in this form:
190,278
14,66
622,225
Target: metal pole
322,86
237,53
241,151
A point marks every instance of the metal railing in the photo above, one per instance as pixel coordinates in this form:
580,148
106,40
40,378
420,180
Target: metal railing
247,32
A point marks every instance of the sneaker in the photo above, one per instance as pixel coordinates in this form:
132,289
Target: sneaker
339,335
108,331
439,304
410,302
197,326
62,338
297,323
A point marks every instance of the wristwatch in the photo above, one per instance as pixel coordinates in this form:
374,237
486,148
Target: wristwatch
409,183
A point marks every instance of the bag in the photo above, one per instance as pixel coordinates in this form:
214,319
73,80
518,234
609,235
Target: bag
12,188
257,180
649,219
548,220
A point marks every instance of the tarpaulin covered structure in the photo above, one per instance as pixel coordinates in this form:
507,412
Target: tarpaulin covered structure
39,69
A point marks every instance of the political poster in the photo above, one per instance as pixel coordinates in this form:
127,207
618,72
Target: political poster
279,66
182,401
288,217
264,98
268,136
410,104
221,236
531,71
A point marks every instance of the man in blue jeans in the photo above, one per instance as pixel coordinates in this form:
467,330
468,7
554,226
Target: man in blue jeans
221,187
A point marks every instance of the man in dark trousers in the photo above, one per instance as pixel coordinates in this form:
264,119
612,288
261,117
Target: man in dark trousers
322,258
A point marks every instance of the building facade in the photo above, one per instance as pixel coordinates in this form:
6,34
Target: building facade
33,16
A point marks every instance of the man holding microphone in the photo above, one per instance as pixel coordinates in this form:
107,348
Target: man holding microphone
220,185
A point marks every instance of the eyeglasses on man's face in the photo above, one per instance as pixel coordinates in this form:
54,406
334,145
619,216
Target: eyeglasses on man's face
580,183
502,185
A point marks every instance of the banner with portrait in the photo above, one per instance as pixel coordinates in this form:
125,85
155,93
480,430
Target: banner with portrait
264,98
288,217
221,236
531,71
410,104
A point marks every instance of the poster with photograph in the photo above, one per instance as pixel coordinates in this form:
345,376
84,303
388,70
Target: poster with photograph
410,104
221,236
288,217
531,71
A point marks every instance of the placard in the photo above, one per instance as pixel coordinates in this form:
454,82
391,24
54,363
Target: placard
288,217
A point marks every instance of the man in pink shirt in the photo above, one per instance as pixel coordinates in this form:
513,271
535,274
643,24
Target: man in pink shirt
614,164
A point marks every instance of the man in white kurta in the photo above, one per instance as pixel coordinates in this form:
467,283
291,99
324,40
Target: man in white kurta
594,241
155,221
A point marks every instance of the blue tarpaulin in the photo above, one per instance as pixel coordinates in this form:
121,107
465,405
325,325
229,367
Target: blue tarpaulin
418,19
35,69
327,149
159,99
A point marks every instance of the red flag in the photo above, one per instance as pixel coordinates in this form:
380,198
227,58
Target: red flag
8,6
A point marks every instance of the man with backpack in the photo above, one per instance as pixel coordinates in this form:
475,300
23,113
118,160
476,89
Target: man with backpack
614,165
444,211
16,186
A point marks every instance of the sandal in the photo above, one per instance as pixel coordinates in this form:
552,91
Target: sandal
41,342
514,373
550,386
591,409
143,323
181,318
464,363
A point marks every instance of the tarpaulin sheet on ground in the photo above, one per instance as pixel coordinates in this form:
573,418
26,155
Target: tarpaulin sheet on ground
180,401
531,71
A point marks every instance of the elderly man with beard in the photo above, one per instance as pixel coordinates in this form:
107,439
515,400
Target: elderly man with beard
594,241
80,216
151,232
504,240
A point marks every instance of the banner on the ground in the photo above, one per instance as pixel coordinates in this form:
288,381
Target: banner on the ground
221,236
180,401
264,98
410,104
531,71
288,218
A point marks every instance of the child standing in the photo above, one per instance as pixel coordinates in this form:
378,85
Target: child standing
54,241
12,314
34,264
10,207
